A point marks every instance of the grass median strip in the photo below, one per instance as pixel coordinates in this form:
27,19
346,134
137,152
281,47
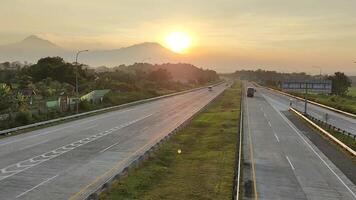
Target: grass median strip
205,166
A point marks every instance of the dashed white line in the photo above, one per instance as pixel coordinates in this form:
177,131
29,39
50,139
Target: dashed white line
275,135
108,147
290,163
313,150
24,165
44,182
58,129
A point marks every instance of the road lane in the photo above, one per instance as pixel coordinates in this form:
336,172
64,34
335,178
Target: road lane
336,119
86,149
287,165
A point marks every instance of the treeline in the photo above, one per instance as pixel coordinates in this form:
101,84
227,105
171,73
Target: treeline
340,82
24,89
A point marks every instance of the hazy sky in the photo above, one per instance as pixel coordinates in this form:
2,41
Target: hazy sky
299,35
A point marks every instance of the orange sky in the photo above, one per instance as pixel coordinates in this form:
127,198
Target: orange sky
304,35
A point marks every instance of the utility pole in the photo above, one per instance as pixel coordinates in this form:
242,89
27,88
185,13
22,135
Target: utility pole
76,79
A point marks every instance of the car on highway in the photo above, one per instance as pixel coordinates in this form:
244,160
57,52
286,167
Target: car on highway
210,88
250,91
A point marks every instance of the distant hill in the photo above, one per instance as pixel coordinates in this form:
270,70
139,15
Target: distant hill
33,48
144,52
181,72
30,49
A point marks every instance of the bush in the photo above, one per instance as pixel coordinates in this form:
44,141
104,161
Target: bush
85,105
23,118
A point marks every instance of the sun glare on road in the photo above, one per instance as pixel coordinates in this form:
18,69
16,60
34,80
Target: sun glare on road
178,41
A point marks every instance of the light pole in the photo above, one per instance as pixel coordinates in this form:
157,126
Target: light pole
76,78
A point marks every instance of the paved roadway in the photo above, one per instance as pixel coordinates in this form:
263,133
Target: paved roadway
286,165
336,119
59,161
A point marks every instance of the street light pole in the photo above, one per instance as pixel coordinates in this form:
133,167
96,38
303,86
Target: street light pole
76,79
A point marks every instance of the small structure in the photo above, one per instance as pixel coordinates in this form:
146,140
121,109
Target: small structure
95,96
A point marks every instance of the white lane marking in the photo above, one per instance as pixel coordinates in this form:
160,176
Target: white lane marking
275,135
32,145
55,130
23,165
269,123
313,150
44,182
108,147
290,163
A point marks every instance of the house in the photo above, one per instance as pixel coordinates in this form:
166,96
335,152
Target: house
95,96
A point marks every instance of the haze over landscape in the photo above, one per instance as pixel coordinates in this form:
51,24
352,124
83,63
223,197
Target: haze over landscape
290,36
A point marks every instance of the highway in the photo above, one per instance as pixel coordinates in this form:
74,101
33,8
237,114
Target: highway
285,164
336,119
67,161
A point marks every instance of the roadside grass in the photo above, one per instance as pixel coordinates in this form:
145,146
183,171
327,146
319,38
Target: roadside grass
204,169
345,103
349,141
352,91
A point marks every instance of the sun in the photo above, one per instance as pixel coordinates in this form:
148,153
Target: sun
178,42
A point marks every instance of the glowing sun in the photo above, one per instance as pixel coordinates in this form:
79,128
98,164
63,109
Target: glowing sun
178,41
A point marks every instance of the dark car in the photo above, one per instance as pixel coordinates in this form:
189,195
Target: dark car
250,92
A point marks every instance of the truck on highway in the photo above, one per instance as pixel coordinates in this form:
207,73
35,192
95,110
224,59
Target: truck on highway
250,91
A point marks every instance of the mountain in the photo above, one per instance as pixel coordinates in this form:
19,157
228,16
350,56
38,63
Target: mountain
30,49
144,52
33,48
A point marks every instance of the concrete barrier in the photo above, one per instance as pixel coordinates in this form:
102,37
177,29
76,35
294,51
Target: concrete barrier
100,110
93,190
327,134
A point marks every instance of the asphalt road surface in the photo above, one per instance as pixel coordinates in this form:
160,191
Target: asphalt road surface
66,160
336,119
284,163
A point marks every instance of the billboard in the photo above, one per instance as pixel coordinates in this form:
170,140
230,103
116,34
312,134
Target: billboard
312,86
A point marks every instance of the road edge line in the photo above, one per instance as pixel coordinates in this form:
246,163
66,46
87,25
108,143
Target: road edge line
326,133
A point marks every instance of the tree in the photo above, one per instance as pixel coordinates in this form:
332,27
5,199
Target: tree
160,75
56,69
340,83
5,97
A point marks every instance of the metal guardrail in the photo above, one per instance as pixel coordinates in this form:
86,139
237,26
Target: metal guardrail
332,127
326,133
100,110
315,103
93,190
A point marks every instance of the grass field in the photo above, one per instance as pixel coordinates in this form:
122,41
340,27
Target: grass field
345,103
204,169
352,91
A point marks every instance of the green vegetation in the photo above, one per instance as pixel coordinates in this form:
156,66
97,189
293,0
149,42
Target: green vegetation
46,90
349,141
345,103
352,91
204,169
